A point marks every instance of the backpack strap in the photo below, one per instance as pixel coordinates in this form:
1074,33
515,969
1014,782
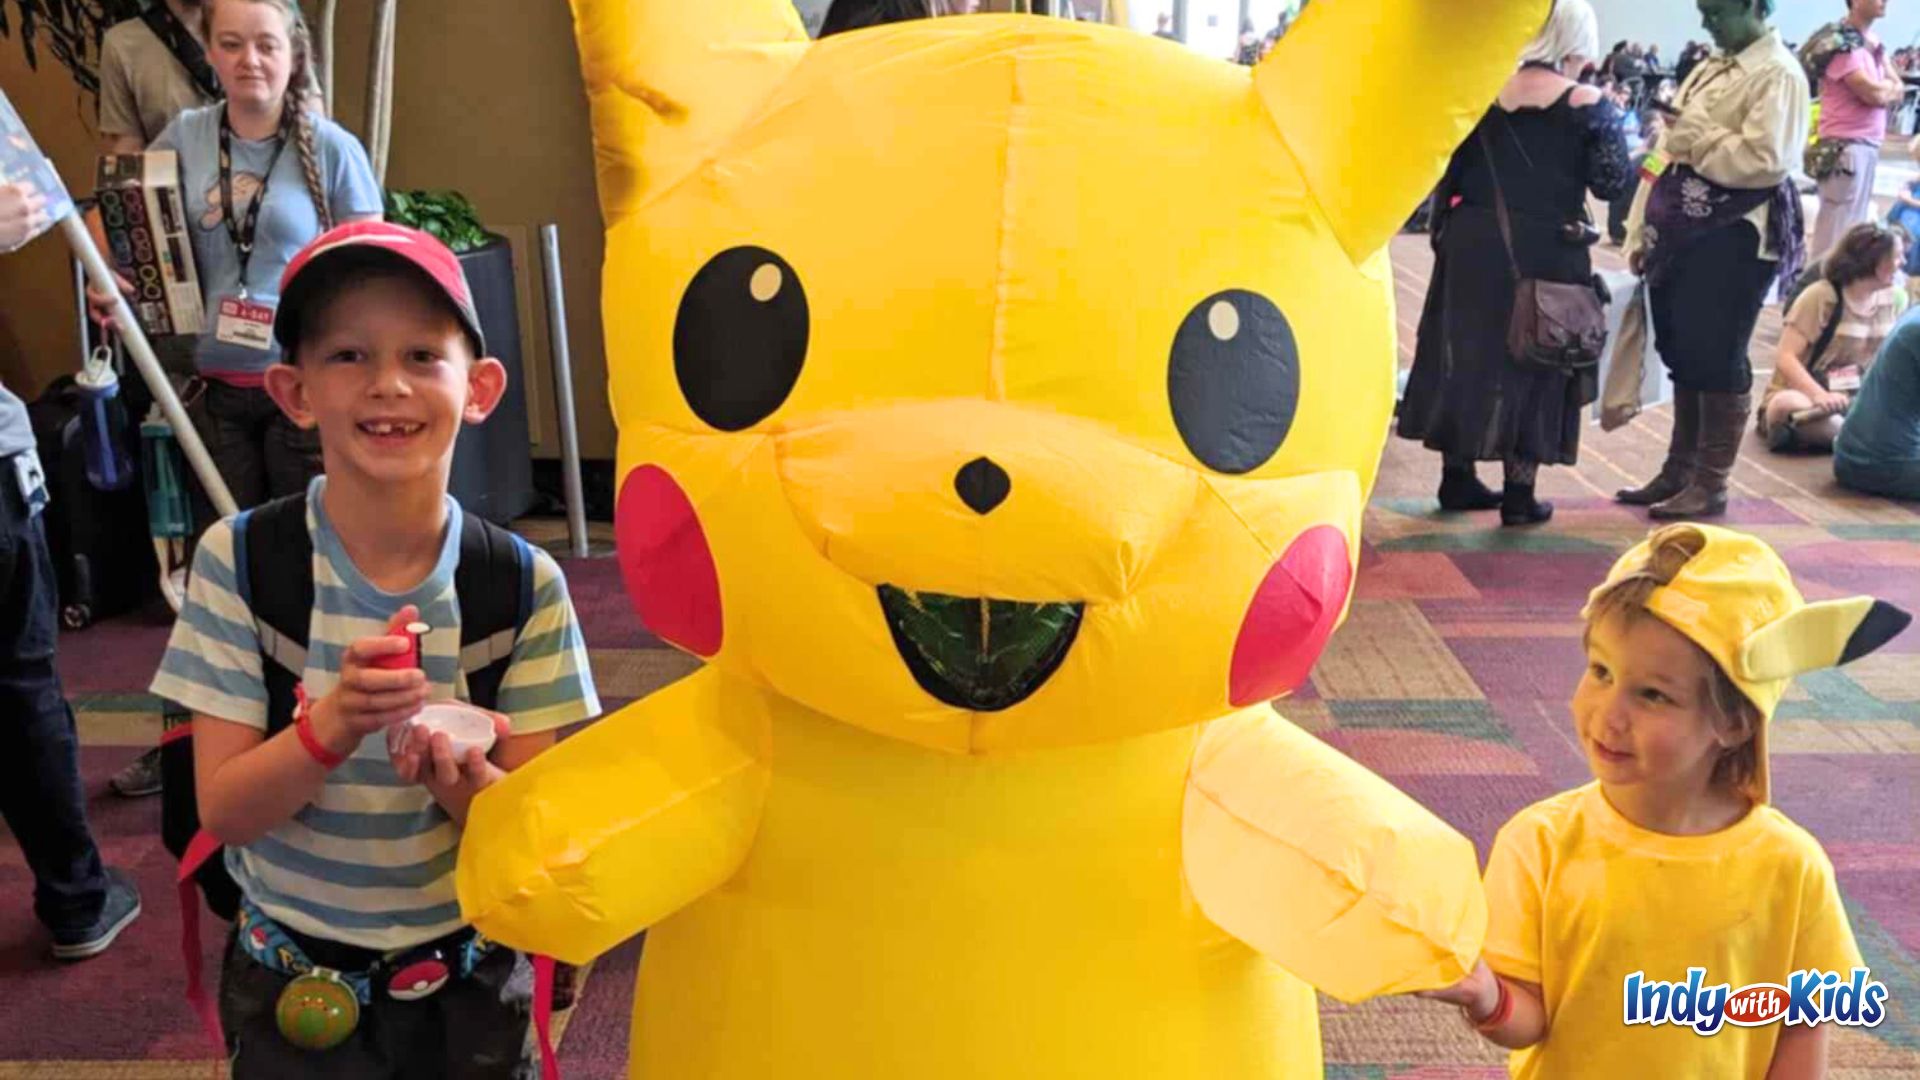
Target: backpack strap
494,583
273,567
1827,333
179,41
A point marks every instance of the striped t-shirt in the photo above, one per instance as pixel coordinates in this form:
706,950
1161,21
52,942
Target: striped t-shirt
370,861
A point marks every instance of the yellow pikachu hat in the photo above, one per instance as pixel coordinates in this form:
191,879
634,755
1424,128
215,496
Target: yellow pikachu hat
1736,600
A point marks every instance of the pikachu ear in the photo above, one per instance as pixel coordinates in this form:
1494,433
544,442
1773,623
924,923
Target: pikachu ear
1820,636
1373,95
670,80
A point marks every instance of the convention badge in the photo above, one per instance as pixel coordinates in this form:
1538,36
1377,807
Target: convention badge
1844,379
32,481
245,323
317,1011
1653,165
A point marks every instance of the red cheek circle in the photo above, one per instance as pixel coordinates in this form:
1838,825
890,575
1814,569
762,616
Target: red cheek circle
1291,617
666,563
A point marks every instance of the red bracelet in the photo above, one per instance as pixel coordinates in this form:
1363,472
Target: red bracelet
303,727
1502,1010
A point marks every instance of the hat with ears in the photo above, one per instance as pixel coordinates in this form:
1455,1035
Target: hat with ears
1736,600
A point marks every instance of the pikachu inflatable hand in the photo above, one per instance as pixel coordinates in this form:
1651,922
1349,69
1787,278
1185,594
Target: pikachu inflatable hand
998,397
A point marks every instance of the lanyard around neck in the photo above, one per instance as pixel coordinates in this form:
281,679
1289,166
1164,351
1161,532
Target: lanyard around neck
242,231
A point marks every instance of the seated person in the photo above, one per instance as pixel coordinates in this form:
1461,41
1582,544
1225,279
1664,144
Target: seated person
1878,451
1831,336
1905,214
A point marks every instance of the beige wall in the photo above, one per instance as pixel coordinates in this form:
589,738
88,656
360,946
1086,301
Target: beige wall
487,99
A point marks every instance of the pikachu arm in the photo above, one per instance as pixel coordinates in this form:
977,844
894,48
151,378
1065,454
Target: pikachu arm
621,825
1374,95
1323,866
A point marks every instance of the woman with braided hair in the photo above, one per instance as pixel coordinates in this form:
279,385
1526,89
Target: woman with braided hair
262,175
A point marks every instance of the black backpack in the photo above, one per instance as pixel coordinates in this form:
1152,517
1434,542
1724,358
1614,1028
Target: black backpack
494,586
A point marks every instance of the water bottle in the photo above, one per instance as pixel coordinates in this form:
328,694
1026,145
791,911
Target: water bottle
168,516
103,422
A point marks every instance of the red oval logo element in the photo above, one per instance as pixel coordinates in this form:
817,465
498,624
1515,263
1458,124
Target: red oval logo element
1755,1004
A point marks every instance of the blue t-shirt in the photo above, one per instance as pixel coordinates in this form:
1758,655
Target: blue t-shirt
287,218
370,860
1883,423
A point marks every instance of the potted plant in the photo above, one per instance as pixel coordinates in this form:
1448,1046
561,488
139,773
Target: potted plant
492,466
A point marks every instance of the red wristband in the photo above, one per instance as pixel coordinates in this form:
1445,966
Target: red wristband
303,727
1502,1010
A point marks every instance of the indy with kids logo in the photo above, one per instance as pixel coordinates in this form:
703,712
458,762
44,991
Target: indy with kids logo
1809,997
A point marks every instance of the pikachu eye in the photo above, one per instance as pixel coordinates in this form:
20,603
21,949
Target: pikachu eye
1234,380
740,337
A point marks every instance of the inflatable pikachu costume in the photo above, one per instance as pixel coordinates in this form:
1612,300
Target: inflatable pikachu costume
998,397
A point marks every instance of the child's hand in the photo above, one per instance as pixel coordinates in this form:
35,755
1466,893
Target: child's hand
427,758
368,699
1478,993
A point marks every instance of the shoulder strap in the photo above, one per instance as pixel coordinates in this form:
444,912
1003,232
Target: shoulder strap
494,584
1500,203
160,19
273,565
1827,332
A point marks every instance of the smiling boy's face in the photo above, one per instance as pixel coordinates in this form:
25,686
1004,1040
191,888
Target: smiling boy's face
387,374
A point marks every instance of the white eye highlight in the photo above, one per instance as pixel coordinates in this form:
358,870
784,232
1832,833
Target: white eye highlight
766,282
1223,320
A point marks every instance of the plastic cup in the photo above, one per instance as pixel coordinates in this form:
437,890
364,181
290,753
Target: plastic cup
464,725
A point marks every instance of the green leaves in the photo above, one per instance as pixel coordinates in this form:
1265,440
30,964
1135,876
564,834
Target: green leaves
982,654
447,215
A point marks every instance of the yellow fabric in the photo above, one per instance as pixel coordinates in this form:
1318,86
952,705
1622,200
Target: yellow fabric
1369,93
1272,811
1579,898
622,824
999,224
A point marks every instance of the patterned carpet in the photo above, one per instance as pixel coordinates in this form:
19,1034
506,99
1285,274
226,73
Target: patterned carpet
1451,679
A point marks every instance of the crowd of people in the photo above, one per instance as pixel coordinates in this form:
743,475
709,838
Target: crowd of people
1701,184
374,358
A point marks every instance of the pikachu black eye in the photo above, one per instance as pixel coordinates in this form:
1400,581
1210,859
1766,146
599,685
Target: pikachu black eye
740,338
1234,380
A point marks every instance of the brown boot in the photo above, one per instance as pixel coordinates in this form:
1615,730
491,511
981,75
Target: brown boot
1678,470
1723,421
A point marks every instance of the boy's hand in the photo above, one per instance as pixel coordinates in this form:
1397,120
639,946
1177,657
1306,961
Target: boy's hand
368,699
427,758
1478,993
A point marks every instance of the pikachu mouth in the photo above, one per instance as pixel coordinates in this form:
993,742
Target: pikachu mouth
979,654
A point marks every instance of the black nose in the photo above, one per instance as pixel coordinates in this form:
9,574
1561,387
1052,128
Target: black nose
982,485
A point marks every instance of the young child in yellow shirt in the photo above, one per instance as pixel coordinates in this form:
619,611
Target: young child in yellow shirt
1602,898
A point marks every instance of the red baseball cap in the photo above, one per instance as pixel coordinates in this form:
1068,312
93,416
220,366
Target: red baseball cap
344,250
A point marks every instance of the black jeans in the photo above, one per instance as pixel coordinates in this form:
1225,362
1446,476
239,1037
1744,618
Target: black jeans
40,792
1706,307
473,1029
260,453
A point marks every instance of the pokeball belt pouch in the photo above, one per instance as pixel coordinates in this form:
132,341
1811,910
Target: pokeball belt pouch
319,1008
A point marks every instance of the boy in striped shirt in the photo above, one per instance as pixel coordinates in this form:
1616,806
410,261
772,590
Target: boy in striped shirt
342,845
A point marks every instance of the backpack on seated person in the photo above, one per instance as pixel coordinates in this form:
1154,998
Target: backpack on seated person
273,573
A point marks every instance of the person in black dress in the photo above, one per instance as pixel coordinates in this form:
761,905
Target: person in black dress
1551,141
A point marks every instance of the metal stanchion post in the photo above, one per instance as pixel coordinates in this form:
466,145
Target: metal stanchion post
563,390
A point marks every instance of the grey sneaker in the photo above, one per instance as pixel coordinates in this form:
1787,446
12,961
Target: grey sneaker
121,908
140,777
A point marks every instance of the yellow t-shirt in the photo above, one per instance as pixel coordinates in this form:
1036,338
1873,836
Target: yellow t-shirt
1579,898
